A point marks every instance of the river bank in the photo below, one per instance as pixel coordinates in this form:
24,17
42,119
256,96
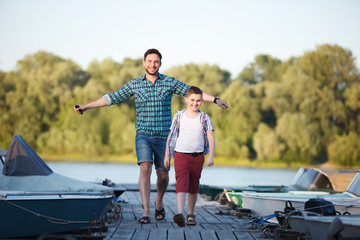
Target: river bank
219,161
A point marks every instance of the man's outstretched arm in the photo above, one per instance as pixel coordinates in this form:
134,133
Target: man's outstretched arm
208,98
101,102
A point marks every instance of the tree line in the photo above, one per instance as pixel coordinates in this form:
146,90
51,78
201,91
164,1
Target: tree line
305,109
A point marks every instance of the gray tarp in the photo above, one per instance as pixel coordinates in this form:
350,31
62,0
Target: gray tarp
21,160
25,171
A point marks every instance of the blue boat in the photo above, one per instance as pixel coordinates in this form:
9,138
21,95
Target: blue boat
36,201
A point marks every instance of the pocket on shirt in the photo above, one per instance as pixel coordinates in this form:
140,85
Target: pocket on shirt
162,93
141,97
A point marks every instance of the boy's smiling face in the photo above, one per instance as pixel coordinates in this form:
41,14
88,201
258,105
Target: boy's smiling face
194,102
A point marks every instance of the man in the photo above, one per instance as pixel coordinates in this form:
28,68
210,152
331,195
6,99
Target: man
153,94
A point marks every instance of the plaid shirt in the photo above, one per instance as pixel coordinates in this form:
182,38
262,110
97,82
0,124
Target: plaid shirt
152,102
175,128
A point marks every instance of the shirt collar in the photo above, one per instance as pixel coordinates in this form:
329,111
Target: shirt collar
161,76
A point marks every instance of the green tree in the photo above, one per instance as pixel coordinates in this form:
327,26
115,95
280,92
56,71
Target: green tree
263,68
235,127
298,135
267,144
37,88
345,150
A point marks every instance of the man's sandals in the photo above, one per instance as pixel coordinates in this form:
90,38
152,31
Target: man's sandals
159,214
144,220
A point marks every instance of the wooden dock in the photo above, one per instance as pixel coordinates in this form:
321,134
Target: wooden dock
214,221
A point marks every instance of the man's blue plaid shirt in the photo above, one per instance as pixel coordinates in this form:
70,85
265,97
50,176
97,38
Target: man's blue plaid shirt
152,102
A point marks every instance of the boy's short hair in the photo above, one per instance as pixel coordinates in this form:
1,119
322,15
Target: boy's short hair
193,90
151,51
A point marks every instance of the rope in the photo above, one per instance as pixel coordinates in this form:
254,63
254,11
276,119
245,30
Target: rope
50,219
263,219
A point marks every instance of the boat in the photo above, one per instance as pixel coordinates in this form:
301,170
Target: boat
325,227
263,204
213,192
306,179
36,201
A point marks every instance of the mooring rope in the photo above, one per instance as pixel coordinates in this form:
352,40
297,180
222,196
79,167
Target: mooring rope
50,219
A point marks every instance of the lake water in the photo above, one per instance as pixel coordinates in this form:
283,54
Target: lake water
216,176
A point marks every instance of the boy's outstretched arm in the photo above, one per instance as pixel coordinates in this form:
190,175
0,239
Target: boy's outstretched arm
208,98
211,138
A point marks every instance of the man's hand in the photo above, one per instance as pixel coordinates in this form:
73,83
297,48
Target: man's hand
222,104
80,109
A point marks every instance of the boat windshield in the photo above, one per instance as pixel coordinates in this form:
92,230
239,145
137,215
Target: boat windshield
2,159
311,179
354,186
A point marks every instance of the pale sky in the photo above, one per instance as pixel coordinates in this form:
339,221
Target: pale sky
229,33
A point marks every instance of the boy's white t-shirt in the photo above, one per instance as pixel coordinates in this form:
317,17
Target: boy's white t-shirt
191,135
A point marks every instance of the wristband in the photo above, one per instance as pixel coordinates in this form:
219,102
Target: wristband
215,99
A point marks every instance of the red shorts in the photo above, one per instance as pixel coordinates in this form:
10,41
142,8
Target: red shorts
188,172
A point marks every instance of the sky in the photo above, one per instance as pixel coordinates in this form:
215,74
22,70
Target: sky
228,33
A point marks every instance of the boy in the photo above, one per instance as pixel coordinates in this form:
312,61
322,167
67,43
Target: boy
191,138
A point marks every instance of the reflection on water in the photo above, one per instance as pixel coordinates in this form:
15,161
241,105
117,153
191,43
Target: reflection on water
216,176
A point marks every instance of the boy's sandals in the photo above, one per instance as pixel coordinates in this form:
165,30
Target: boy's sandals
191,219
144,220
179,219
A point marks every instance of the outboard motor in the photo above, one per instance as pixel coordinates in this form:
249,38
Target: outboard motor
320,206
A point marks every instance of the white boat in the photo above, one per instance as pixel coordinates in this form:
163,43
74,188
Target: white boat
306,179
322,227
35,201
263,204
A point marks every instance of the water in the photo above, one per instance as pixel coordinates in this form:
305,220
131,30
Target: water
216,176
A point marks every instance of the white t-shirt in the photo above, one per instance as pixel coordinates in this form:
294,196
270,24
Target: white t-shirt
191,135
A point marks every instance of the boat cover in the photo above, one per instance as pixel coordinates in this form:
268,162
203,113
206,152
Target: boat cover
25,171
21,160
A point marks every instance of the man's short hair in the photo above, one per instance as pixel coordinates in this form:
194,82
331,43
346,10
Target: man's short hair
152,50
194,90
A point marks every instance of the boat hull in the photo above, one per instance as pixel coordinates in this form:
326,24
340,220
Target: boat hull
266,204
318,227
44,214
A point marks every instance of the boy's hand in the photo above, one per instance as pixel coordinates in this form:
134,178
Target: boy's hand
210,162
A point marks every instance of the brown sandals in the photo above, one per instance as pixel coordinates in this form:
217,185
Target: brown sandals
179,219
191,219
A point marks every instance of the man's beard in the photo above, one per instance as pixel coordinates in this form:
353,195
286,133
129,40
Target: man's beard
152,74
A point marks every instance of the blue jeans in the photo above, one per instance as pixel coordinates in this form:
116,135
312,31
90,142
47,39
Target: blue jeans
150,150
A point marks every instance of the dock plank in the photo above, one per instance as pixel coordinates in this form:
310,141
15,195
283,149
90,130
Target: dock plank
157,233
140,234
176,234
208,234
193,235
